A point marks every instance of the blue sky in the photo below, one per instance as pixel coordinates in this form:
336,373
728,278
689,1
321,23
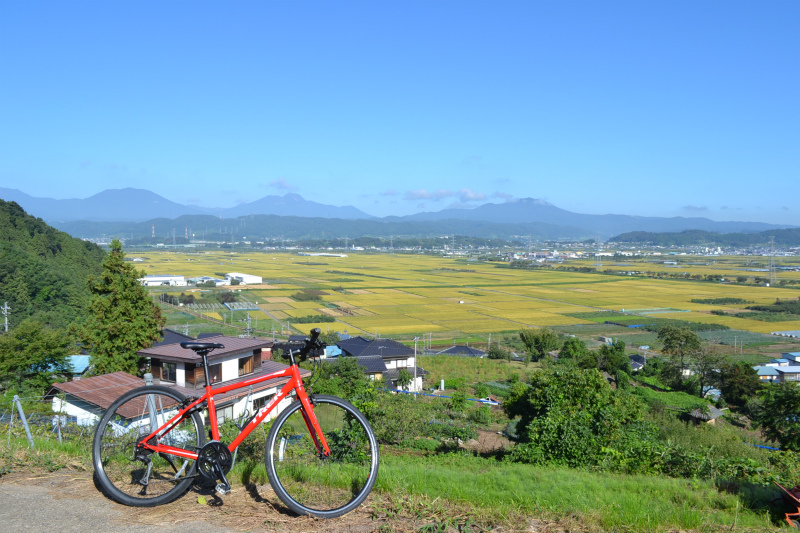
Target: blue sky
646,107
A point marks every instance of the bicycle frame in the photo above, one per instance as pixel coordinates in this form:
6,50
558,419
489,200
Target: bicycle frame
295,383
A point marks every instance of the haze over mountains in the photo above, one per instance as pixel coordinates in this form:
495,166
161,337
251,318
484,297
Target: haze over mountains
128,210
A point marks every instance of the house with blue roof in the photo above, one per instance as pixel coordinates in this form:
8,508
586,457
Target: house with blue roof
79,364
792,356
789,373
767,374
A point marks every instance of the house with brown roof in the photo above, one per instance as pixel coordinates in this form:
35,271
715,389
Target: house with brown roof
173,366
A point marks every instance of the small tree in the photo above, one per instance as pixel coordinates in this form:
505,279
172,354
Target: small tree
573,348
122,318
539,342
780,415
458,401
738,382
612,358
33,357
679,342
706,365
496,352
404,378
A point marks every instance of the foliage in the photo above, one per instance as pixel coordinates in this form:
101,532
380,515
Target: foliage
345,378
496,352
313,319
330,338
789,237
226,297
458,400
539,342
32,357
43,271
573,348
780,306
404,378
308,295
679,342
569,416
612,358
720,301
780,415
122,318
705,365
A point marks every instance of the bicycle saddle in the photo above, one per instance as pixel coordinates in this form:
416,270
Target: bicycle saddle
201,346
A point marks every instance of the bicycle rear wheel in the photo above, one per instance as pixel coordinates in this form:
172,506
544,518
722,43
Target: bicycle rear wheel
141,478
324,487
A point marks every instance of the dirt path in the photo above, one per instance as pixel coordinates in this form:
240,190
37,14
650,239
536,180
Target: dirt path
69,502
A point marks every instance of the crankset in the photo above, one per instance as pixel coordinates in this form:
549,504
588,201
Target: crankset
213,462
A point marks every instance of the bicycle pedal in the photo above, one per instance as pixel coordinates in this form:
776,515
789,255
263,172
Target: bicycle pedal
223,489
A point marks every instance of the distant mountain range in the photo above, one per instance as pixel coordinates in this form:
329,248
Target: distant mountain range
139,205
117,211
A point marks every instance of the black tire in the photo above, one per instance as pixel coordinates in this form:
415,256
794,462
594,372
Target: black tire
310,485
120,474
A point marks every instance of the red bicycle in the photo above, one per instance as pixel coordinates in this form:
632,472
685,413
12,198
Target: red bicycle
321,452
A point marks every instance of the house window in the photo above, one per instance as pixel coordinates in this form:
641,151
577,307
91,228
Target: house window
258,403
215,373
402,363
168,372
246,365
224,413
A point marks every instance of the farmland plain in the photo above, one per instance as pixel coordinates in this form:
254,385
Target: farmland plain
458,300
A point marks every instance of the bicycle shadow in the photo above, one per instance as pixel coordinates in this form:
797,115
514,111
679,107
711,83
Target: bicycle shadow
253,492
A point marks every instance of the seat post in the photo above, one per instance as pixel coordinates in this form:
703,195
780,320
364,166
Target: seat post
204,355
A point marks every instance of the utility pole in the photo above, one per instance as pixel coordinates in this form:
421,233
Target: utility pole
5,310
772,277
415,366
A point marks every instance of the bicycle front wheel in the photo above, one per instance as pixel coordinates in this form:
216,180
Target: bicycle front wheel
141,478
306,481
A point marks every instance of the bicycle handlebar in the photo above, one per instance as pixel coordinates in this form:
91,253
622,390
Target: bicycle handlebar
312,343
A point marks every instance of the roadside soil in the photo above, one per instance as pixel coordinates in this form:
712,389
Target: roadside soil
68,501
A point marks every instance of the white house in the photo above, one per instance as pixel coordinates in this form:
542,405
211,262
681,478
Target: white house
163,280
173,366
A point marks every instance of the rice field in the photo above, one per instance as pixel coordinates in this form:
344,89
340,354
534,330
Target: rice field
407,296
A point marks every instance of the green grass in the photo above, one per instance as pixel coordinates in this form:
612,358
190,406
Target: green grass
491,492
604,501
672,399
471,369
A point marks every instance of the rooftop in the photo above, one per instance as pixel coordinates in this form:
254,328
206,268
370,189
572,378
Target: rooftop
233,346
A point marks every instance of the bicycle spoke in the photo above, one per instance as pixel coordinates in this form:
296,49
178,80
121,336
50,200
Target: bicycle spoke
137,476
310,483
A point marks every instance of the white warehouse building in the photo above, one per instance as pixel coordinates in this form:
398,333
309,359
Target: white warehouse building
168,279
244,279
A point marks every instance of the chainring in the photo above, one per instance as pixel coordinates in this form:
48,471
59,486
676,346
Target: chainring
214,454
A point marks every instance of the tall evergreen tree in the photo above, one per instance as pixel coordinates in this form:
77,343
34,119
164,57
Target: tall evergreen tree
122,319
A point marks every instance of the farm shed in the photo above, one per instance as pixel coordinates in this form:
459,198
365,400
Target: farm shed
244,279
163,280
